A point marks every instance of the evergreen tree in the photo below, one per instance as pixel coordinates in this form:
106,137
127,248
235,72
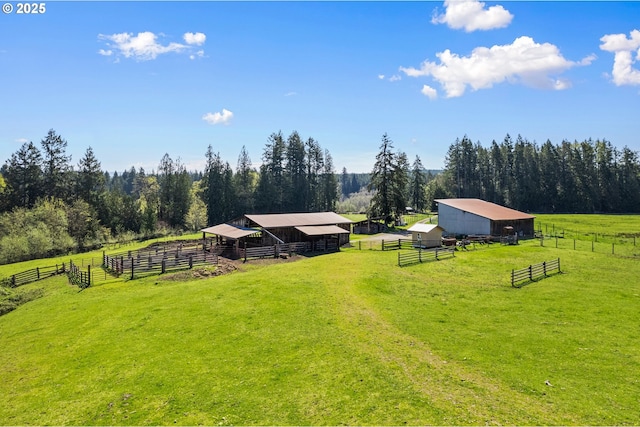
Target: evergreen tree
56,178
418,182
23,177
90,180
296,174
329,184
244,183
382,181
315,167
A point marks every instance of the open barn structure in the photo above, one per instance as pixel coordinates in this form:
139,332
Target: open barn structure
477,217
308,231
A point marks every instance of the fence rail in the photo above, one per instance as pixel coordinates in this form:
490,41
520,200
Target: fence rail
33,275
423,255
288,248
534,271
144,263
81,279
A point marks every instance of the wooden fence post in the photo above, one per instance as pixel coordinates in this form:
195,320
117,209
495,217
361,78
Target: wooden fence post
132,270
190,261
544,267
512,276
383,244
530,273
399,265
38,272
613,249
420,254
164,265
88,276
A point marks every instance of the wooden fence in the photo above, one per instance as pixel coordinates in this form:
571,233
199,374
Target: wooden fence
534,271
81,279
144,263
288,249
424,255
33,275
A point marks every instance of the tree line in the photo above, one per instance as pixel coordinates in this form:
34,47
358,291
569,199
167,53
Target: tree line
48,206
570,177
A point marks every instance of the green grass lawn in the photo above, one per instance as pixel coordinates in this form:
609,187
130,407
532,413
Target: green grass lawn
344,338
585,227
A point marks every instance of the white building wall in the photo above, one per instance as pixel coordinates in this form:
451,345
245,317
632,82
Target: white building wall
455,221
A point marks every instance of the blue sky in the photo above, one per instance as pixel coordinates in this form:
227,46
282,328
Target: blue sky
136,80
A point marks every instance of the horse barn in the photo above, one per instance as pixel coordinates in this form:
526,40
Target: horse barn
304,232
480,218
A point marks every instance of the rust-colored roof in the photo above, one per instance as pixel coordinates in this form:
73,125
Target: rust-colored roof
230,231
321,230
297,219
485,209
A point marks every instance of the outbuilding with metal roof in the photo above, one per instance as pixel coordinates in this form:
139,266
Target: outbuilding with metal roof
479,217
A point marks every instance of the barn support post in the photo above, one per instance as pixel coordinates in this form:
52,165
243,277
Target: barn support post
245,251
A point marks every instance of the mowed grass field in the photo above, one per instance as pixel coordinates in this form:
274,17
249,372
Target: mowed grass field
343,338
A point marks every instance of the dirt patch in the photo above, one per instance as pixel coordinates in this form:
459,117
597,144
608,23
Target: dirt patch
224,267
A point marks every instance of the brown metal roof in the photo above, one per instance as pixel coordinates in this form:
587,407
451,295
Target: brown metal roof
230,231
297,219
485,209
321,230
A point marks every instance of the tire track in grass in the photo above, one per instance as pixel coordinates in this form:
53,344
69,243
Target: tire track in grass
461,395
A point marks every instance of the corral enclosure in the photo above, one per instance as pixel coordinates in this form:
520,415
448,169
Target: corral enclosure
346,338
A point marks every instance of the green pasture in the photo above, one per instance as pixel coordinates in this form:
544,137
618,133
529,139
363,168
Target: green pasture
343,338
599,227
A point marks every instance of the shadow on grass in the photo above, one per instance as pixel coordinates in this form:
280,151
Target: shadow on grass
522,284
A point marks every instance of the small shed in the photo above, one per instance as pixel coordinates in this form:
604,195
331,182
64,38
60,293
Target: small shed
426,235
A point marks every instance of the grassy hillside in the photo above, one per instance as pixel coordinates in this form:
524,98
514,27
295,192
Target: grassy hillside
344,338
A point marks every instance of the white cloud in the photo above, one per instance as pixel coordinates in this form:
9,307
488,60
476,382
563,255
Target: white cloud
623,61
395,78
198,54
197,39
524,61
429,92
381,76
291,94
223,117
22,140
145,46
472,15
